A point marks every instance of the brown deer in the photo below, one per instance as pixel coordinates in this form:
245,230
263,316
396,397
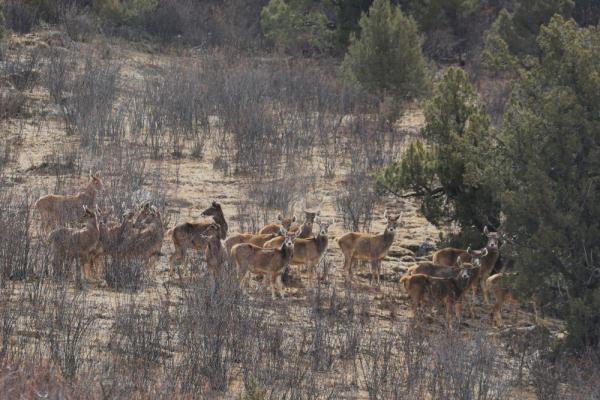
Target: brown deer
249,258
368,247
503,293
306,251
216,256
189,236
71,244
488,255
305,229
442,271
216,212
186,236
146,241
448,291
111,235
257,240
56,209
273,229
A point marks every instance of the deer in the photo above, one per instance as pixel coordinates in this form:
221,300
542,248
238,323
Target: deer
305,229
488,255
503,293
306,251
146,240
56,209
250,258
216,255
186,235
255,239
447,290
111,234
72,244
216,212
189,236
273,229
442,271
368,247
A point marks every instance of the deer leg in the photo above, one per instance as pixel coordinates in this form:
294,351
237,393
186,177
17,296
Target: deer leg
273,284
280,286
484,290
536,316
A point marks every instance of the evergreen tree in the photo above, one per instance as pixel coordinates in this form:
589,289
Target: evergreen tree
551,191
295,25
445,170
387,59
511,41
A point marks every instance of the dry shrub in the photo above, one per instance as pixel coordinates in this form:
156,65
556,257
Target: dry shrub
18,252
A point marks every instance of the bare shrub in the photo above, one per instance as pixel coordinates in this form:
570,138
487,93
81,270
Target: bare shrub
79,25
22,69
214,332
19,17
69,322
90,110
139,334
8,319
11,103
356,200
60,67
17,250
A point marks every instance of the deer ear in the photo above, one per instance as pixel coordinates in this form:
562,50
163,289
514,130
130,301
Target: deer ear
486,230
484,252
469,250
279,217
459,262
97,175
385,214
294,218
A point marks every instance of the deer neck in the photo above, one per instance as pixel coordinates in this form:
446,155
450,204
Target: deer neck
490,258
220,219
88,194
321,242
388,238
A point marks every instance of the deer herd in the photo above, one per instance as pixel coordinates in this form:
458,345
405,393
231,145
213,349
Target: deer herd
78,232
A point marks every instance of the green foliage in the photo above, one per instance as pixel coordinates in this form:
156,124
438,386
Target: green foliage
439,14
447,173
348,15
511,41
551,186
294,25
2,24
386,59
123,11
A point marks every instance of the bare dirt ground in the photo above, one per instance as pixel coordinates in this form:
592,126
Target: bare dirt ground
191,184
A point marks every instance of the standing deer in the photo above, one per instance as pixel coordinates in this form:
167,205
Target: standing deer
70,244
216,211
442,271
146,240
368,247
56,209
273,229
488,255
186,236
216,256
306,251
255,239
189,236
504,294
111,235
305,229
446,290
249,258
